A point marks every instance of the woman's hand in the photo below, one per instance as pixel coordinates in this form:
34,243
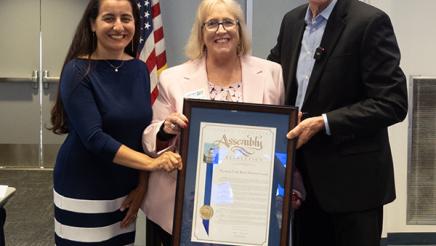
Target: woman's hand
167,161
132,203
174,122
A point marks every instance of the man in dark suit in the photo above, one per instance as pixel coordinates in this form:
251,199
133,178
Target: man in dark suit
340,62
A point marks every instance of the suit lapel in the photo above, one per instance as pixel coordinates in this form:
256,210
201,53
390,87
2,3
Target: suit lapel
253,81
333,31
295,46
196,79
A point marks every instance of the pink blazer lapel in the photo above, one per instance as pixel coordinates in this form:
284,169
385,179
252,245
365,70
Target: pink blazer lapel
196,80
252,81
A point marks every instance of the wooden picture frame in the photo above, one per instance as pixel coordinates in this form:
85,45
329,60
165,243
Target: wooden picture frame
216,201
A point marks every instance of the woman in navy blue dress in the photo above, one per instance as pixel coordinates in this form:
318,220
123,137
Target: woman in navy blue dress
104,105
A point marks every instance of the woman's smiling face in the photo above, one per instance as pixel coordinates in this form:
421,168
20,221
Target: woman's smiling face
114,27
221,40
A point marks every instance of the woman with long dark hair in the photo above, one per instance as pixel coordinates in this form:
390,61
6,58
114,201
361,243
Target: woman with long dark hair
103,104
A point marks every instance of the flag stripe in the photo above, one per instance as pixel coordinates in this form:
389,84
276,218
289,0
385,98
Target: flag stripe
151,61
157,23
161,60
158,34
152,43
156,9
160,46
154,94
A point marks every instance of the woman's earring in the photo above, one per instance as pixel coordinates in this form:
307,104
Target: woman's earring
94,42
132,48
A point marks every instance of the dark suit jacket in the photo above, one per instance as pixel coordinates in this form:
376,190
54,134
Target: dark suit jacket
358,83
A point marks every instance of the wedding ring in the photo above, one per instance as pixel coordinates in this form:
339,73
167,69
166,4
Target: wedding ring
173,126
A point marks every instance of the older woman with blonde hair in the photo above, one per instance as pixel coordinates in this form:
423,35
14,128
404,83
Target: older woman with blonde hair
196,48
219,68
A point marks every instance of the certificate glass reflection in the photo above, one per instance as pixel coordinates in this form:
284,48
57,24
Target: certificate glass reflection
234,184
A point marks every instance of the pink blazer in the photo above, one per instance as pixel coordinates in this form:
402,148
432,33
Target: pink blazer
262,82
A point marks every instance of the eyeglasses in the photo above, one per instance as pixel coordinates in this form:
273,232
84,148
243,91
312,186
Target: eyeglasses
213,25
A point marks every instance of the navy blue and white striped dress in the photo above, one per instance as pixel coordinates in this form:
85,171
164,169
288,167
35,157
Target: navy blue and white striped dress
104,109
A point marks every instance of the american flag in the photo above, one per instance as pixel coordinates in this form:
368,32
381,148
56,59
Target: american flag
151,44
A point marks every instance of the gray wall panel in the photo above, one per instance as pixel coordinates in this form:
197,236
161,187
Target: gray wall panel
267,16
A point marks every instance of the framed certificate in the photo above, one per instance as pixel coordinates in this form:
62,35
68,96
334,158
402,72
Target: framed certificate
235,186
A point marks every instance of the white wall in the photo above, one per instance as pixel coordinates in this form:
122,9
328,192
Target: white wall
414,23
267,17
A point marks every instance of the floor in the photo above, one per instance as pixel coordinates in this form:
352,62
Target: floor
29,218
29,212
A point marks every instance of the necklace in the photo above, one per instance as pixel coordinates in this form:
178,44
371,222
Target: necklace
115,67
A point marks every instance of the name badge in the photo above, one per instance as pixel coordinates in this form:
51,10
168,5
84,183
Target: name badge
198,94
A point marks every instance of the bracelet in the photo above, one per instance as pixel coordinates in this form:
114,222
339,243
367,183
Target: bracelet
162,135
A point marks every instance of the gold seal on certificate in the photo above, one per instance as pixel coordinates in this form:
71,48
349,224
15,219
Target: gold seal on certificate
206,212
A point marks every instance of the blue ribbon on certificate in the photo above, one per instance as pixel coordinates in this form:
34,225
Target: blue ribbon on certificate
211,159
